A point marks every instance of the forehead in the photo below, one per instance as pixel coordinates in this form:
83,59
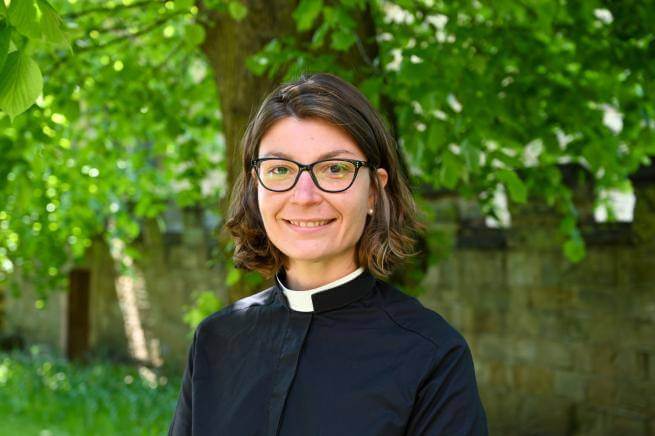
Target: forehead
307,140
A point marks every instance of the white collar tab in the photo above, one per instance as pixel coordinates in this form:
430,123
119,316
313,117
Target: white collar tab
302,301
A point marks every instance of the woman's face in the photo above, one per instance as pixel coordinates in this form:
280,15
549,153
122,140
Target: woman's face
306,141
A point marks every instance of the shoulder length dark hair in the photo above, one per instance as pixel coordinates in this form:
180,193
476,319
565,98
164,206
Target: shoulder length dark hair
389,234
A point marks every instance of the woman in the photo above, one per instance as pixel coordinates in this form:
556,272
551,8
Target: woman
331,349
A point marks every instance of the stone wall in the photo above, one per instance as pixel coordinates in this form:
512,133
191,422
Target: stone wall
559,348
24,324
135,314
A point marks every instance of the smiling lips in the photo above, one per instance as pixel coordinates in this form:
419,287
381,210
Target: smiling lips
310,223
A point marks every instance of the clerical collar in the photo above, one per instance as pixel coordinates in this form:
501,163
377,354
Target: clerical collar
329,296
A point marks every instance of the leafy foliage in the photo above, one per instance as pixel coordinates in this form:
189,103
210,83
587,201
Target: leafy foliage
482,97
205,303
21,83
40,394
497,95
22,25
130,124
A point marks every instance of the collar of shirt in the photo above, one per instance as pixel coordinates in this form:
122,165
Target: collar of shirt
329,296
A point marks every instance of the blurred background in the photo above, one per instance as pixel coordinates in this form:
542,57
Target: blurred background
529,134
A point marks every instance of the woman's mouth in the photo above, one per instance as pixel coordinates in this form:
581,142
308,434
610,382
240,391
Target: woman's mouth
309,225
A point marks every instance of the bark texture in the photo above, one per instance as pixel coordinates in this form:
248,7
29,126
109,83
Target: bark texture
227,45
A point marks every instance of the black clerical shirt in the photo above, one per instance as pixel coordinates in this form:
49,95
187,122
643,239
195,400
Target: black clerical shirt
368,360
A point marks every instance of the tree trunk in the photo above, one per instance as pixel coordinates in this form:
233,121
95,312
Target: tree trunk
227,45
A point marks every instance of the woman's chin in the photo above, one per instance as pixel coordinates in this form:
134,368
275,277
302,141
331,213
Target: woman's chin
304,256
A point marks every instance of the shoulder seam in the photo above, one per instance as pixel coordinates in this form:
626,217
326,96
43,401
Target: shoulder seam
237,309
404,327
391,317
407,328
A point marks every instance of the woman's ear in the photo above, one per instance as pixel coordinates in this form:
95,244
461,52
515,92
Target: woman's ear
382,177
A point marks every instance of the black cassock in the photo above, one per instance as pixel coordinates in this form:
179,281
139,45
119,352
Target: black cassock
368,360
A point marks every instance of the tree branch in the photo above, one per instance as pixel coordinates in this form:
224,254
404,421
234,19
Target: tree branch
157,68
119,39
143,31
74,15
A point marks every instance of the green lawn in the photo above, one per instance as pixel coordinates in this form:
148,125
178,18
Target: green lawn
45,396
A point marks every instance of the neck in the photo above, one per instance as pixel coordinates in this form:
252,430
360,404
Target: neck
309,275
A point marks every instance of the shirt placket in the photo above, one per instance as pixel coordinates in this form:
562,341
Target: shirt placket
294,338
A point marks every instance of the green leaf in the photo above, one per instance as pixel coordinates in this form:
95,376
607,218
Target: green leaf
195,34
25,16
574,248
237,10
372,88
205,304
51,24
450,170
306,13
183,5
361,4
257,63
567,225
319,35
436,135
217,5
5,37
265,58
233,277
471,156
343,39
516,187
21,83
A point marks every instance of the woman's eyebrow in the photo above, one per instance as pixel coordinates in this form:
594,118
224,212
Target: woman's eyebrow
327,155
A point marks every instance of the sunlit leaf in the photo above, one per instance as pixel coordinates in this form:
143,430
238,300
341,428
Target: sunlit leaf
5,37
183,4
342,39
233,276
51,24
24,15
257,64
21,83
319,35
205,304
574,248
471,156
451,169
306,13
516,187
371,88
237,10
194,33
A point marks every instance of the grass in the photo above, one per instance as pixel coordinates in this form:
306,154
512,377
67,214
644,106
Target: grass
46,396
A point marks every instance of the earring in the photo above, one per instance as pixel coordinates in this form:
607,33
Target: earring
370,211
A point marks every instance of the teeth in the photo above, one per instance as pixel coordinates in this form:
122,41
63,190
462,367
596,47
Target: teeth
309,223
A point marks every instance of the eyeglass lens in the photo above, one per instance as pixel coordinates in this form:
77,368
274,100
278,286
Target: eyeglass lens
331,175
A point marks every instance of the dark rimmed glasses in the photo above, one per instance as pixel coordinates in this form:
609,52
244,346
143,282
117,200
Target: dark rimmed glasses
329,175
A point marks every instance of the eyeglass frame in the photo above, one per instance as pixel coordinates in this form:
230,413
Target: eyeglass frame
254,164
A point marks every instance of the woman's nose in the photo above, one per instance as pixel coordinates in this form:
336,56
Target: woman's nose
305,189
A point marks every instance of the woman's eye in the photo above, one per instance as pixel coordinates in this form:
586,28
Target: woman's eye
339,169
278,171
336,169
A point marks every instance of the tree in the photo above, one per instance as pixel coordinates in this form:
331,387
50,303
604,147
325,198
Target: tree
127,123
481,97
